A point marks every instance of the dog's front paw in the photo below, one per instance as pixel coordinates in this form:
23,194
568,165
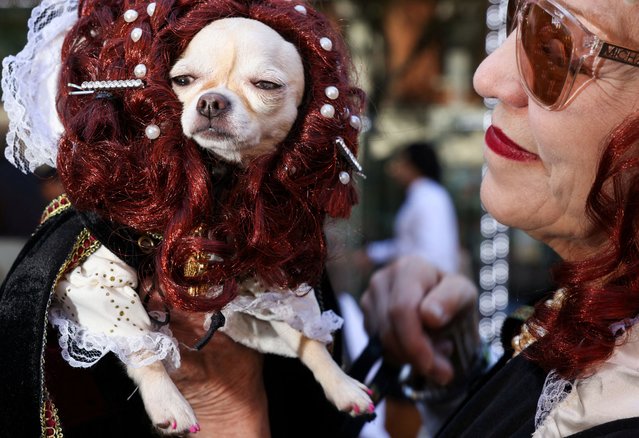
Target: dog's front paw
166,406
347,394
169,411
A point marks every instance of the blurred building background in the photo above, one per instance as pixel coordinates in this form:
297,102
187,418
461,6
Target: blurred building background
415,59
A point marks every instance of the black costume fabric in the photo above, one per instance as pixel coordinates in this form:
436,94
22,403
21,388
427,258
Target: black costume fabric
101,401
505,403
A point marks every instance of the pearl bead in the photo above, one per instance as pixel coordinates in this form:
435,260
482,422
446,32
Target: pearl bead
152,132
356,122
130,16
332,92
136,34
326,44
301,9
139,71
327,111
150,9
344,177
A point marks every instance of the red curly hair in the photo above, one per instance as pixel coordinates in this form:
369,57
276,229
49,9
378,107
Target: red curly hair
266,219
603,289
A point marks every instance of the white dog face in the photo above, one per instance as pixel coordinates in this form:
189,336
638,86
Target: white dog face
240,83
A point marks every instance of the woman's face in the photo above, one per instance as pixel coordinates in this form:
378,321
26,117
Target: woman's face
542,187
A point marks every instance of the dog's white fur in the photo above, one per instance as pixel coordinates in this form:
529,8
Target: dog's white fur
240,60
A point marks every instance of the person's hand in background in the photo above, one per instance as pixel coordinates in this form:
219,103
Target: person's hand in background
411,305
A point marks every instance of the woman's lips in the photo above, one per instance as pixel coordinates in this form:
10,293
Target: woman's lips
502,145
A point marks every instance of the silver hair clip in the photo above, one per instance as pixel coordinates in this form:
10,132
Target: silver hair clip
348,155
89,87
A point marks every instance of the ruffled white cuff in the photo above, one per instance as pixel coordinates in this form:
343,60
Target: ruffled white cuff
82,348
97,310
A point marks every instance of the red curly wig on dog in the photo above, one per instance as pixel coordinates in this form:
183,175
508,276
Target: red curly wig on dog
265,219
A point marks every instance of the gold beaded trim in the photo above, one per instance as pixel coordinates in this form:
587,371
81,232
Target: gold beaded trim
84,246
50,420
57,206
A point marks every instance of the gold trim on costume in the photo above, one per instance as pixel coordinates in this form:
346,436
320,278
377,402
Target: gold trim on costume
84,246
57,206
50,420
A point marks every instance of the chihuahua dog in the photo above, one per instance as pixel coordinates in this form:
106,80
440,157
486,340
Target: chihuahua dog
240,84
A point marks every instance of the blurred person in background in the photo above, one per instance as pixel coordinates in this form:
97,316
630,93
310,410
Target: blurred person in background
425,226
426,223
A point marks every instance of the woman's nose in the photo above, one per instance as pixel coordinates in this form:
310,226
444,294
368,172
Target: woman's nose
497,76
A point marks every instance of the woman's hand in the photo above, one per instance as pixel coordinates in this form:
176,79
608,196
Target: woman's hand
223,382
410,302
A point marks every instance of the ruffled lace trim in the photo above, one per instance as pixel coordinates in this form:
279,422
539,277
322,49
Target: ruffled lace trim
81,348
555,390
289,307
29,85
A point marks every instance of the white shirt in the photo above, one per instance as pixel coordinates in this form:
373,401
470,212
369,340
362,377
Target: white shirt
425,225
610,394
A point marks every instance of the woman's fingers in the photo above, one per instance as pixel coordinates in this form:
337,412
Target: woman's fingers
408,304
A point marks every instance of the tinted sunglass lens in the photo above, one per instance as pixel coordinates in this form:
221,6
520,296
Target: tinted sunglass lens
544,54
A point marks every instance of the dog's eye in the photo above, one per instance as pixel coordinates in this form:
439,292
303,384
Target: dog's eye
182,81
267,85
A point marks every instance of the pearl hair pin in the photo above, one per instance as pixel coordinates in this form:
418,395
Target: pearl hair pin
344,177
130,16
301,9
355,122
152,132
150,9
89,87
327,111
348,155
326,44
139,71
332,92
136,34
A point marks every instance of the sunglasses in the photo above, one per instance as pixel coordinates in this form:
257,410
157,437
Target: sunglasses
553,48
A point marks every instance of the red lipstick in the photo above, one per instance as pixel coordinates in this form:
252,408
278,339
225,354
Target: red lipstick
502,145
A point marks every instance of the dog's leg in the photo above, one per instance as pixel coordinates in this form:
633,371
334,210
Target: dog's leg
346,393
167,408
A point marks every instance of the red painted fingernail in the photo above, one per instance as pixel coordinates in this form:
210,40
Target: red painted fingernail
356,409
193,429
175,425
369,391
371,408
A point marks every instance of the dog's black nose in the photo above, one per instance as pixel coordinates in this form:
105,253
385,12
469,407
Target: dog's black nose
212,105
